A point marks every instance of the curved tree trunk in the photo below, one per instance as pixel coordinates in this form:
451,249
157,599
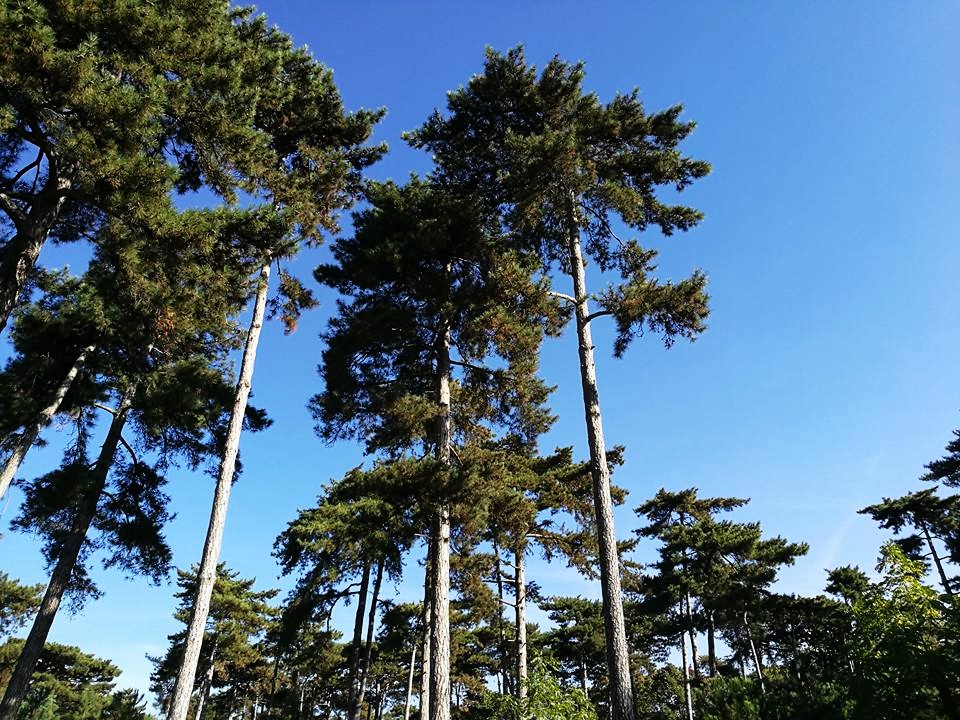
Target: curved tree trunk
30,434
63,570
618,654
440,538
207,575
520,595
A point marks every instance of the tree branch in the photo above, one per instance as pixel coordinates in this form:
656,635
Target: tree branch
598,313
105,408
133,455
562,296
10,208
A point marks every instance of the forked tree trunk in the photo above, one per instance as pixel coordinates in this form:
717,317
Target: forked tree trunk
413,665
29,436
371,623
357,643
207,575
520,595
63,570
618,654
753,652
440,538
20,253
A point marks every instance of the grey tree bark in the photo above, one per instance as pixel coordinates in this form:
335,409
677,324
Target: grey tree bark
692,633
63,570
218,514
207,682
933,553
409,700
753,652
618,654
520,595
440,538
29,436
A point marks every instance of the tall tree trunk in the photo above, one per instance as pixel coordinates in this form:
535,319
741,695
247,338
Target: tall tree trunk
207,575
753,652
440,537
501,635
19,254
618,654
357,643
427,634
692,633
520,595
413,665
26,440
583,673
371,623
687,689
711,643
66,562
936,560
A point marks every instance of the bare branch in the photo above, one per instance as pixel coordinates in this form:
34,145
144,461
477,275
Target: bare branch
562,296
598,313
10,208
133,455
105,408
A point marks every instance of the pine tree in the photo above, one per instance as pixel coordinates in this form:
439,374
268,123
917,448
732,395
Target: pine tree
563,165
305,166
429,288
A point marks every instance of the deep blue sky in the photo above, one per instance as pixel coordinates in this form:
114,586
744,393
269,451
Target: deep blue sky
827,377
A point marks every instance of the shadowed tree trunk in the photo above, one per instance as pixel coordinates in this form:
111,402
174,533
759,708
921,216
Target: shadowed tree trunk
371,622
936,560
357,643
413,665
29,436
427,634
66,562
207,682
207,575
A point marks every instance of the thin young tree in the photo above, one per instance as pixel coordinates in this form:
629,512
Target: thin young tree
562,167
305,168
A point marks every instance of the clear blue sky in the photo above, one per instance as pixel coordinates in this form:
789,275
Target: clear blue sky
827,377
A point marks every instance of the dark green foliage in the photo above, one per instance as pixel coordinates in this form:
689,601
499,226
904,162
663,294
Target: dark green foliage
947,468
17,603
69,684
552,157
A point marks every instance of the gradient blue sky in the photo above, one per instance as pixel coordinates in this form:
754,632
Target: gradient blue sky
827,377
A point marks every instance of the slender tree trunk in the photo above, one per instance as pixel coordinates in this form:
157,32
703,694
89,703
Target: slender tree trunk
711,643
501,635
20,253
692,633
207,575
207,682
687,690
618,654
371,623
583,673
440,537
520,595
26,440
66,563
413,665
357,644
753,651
937,561
427,634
